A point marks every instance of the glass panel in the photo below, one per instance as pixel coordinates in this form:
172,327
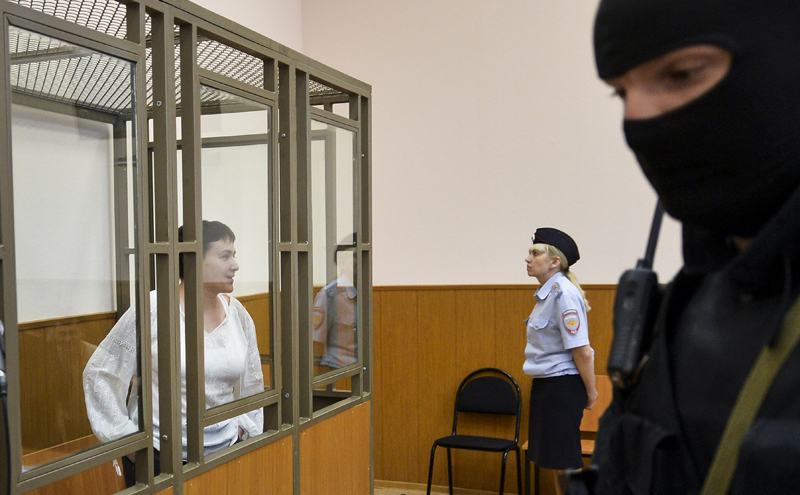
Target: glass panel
333,248
74,162
239,352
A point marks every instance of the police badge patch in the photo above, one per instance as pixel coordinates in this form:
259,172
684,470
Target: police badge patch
572,321
319,317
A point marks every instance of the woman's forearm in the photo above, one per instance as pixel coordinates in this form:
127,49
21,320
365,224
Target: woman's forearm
584,361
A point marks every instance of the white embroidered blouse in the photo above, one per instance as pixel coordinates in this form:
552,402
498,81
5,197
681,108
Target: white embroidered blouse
232,371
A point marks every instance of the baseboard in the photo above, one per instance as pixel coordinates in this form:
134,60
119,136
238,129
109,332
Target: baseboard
434,488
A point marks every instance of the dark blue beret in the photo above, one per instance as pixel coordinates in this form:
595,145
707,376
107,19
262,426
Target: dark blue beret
560,240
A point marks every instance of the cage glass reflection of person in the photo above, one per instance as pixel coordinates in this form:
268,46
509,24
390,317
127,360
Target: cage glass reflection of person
336,311
232,361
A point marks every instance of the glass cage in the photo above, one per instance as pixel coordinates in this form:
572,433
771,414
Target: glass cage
185,241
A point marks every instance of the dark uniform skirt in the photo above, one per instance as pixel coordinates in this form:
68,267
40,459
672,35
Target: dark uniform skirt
554,431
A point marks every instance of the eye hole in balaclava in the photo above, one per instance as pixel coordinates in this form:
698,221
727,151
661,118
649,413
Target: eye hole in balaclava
671,81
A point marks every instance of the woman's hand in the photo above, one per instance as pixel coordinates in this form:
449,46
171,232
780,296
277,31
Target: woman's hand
591,399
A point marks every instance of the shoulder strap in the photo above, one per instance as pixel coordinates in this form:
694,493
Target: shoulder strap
749,402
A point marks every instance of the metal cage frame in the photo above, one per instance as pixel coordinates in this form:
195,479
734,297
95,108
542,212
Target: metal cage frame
50,63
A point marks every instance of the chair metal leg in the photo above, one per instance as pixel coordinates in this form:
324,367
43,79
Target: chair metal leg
527,476
449,471
430,470
503,472
519,471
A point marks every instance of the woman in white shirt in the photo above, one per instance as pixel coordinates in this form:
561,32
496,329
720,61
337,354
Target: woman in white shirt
557,355
232,360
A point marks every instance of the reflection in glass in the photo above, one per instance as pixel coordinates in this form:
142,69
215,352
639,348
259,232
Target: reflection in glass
334,241
73,157
235,165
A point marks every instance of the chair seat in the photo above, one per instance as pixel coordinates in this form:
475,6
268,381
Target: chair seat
486,444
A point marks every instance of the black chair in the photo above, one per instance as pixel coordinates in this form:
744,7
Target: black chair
485,394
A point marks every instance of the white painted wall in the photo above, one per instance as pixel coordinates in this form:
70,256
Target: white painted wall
279,20
488,121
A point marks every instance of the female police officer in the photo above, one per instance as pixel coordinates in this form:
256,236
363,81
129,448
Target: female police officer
711,93
557,355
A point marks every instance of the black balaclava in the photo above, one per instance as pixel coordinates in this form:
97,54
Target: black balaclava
729,159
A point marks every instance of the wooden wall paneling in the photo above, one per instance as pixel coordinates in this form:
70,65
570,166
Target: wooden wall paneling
438,378
335,454
475,348
168,491
513,308
380,462
33,379
100,480
489,331
601,329
213,482
258,307
399,387
267,470
53,354
475,330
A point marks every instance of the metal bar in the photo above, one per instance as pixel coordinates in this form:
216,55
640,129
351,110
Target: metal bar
120,198
333,119
289,329
240,140
239,407
331,203
270,74
225,83
303,344
330,99
192,232
66,467
47,56
168,318
8,310
54,27
231,141
62,108
334,376
364,250
275,320
143,197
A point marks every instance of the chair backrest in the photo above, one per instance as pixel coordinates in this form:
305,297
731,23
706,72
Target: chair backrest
605,392
489,391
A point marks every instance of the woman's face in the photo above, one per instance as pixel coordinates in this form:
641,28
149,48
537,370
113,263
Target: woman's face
220,266
670,80
541,265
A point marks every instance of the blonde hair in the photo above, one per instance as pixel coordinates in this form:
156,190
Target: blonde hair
554,252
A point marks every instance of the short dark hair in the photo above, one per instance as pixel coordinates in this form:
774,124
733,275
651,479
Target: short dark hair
213,231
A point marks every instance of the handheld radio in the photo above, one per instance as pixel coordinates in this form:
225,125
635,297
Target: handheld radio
635,308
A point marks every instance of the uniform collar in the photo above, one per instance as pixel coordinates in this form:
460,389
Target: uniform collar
548,287
344,283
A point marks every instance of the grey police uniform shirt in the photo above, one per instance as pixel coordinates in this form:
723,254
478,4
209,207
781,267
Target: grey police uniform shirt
555,327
